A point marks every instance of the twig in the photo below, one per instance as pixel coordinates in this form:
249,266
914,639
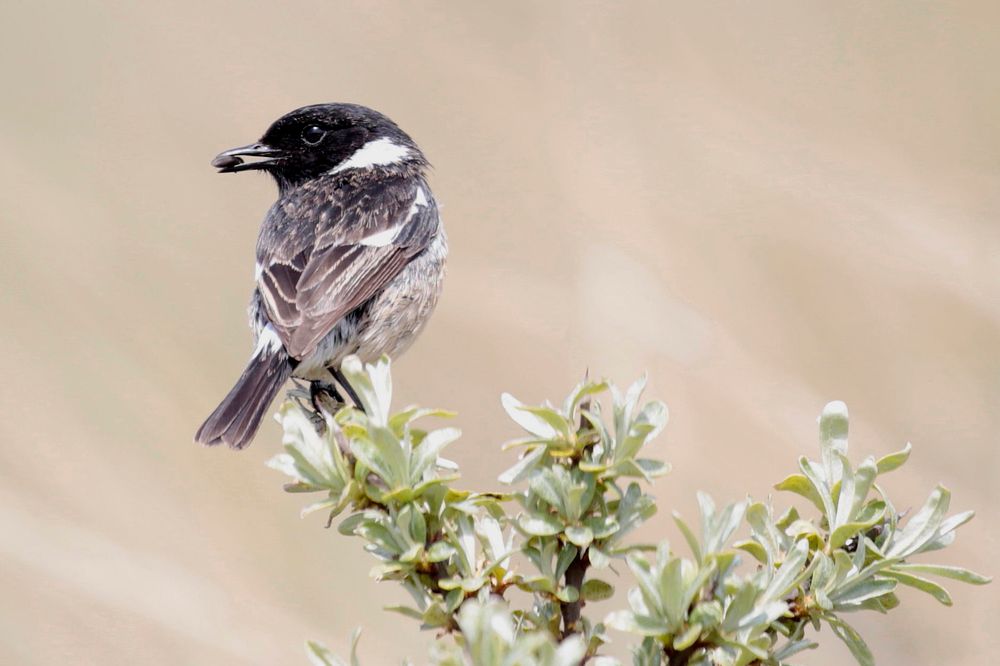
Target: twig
574,578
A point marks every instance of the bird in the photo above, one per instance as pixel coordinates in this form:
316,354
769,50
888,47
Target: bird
350,258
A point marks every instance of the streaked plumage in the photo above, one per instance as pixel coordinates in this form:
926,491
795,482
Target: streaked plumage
350,258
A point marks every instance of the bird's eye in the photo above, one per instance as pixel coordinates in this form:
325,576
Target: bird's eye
312,135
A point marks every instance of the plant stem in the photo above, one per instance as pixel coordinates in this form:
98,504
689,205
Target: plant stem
574,578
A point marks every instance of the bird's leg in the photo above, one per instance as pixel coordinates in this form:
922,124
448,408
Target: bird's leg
318,390
339,376
316,399
299,393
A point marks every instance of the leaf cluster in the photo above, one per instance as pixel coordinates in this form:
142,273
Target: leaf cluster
578,489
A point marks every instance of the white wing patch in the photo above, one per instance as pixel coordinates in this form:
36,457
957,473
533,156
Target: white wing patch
418,202
268,340
380,152
382,238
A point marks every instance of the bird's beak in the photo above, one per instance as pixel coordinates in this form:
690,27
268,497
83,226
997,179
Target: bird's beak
233,160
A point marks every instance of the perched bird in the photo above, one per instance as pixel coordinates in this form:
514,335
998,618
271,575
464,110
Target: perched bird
350,258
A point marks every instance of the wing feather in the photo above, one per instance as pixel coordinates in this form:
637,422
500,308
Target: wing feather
317,260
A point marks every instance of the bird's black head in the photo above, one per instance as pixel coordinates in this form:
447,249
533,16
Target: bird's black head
324,138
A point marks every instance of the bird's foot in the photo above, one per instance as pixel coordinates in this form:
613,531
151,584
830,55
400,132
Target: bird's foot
325,398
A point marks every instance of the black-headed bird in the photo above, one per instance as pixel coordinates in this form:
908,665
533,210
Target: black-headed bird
350,258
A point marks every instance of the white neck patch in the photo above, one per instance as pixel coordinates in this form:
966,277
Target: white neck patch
380,152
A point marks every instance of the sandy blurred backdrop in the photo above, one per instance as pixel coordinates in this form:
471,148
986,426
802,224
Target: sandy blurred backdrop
765,205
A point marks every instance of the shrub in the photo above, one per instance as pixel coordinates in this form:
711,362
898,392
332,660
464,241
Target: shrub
576,492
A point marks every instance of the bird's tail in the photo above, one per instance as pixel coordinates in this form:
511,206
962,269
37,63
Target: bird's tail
236,420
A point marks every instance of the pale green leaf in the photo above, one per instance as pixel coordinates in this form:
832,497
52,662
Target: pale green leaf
895,460
755,549
553,418
523,467
688,637
595,589
405,610
689,536
852,595
539,525
530,422
320,656
801,485
923,526
955,573
922,584
852,639
579,535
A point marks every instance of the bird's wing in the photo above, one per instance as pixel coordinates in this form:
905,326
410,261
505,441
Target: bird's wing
320,257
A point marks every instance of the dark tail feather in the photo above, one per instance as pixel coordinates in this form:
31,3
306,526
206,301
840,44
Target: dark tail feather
236,420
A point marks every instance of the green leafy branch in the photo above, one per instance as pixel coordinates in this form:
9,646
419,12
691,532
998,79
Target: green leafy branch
577,492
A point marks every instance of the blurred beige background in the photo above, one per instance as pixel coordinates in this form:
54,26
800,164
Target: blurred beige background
765,205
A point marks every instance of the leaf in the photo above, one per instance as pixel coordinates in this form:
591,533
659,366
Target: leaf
740,604
922,527
852,639
521,469
893,461
852,595
453,600
922,584
579,535
952,523
843,533
581,392
602,526
689,536
864,478
647,425
955,573
384,457
567,594
722,526
355,637
687,639
440,551
566,556
550,487
595,589
530,422
373,385
833,426
553,418
764,614
630,622
571,652
330,503
671,590
755,549
320,656
812,473
539,525
599,559
707,613
801,485
792,648
412,413
787,574
473,583
653,468
427,453
405,610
